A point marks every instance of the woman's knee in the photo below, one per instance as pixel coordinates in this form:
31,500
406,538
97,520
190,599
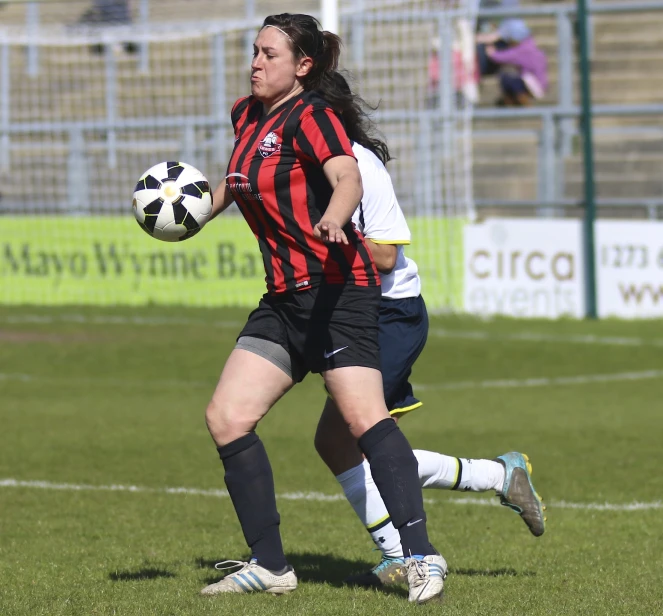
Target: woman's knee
335,445
226,424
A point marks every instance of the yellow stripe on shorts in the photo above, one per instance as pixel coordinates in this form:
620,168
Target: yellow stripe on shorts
404,410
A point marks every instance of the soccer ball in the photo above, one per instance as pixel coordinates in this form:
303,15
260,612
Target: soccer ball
172,201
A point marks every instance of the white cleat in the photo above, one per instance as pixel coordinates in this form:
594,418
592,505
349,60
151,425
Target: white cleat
426,577
251,578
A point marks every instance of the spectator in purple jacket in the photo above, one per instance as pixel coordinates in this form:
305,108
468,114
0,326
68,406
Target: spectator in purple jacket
522,66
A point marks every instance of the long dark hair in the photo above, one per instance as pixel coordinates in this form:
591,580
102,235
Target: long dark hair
324,48
358,124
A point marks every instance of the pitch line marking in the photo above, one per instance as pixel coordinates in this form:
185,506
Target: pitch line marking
37,319
583,379
307,496
588,339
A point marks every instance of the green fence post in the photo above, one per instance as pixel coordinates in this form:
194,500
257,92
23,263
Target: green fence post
588,157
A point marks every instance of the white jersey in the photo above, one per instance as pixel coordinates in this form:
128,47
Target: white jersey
380,219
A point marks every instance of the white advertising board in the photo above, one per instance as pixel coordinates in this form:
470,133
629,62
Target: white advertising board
629,268
524,268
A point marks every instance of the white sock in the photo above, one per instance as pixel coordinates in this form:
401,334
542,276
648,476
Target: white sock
449,473
364,497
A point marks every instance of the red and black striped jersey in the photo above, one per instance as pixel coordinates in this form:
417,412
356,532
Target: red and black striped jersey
275,176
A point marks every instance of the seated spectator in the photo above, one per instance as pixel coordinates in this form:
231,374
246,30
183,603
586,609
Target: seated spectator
522,66
107,12
486,25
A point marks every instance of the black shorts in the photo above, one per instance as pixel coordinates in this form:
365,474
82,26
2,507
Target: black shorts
402,336
330,326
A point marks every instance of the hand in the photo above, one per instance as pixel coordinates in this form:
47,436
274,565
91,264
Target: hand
330,233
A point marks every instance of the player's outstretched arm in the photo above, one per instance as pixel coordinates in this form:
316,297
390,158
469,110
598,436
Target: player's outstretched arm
221,199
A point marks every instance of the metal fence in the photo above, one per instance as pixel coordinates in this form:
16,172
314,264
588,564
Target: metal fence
557,123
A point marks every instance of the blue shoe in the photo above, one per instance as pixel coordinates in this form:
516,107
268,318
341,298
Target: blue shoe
519,494
388,572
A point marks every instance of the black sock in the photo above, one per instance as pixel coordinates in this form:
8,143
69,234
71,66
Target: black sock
396,474
251,486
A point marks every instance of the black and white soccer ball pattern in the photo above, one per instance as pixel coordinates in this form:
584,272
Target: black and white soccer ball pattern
172,201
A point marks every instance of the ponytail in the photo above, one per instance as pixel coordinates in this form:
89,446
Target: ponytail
352,108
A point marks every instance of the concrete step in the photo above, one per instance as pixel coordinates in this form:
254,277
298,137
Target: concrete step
516,189
643,166
623,46
619,187
634,168
506,167
643,61
505,148
625,146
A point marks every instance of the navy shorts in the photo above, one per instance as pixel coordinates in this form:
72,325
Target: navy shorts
326,327
403,329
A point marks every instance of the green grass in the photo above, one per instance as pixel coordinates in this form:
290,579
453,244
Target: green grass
98,402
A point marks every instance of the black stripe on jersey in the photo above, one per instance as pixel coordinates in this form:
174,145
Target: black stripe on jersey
460,475
282,249
244,209
336,253
318,183
284,199
362,222
252,115
237,112
250,144
250,217
365,255
252,220
328,130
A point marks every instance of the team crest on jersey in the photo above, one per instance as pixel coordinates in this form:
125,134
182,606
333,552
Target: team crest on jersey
269,145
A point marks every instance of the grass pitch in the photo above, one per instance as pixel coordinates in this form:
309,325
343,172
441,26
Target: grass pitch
94,399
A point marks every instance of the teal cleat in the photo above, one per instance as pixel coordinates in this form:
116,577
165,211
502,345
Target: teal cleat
388,572
519,494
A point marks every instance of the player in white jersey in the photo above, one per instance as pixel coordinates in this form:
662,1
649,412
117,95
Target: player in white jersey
403,328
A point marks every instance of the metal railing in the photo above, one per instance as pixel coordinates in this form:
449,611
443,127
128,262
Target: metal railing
555,135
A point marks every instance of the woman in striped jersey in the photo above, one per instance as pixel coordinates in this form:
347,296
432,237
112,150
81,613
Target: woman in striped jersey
295,179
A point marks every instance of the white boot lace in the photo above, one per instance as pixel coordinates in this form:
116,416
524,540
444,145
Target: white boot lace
231,564
421,569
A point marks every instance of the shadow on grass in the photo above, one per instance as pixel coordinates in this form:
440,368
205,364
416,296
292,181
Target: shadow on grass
504,572
146,573
316,569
